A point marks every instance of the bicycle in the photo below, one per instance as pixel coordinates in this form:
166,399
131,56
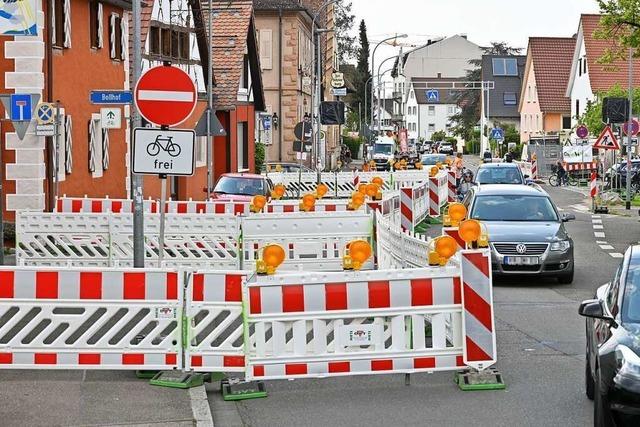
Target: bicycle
171,148
567,180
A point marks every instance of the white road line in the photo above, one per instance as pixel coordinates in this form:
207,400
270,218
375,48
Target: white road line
200,407
596,221
601,242
598,227
616,255
598,234
607,247
596,216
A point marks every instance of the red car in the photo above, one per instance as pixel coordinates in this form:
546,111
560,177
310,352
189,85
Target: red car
241,186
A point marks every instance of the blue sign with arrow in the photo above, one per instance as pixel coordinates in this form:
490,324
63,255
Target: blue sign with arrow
111,97
433,95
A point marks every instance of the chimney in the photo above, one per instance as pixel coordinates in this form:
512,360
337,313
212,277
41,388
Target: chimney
464,36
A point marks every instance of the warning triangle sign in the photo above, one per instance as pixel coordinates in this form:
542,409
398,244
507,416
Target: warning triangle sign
607,140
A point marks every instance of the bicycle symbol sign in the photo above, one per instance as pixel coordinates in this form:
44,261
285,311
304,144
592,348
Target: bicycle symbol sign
163,152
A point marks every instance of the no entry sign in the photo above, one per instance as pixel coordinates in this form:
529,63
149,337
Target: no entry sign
165,95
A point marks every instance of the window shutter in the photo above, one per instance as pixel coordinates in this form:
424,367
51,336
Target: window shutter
68,145
100,27
92,146
112,36
67,24
53,26
105,149
266,49
124,38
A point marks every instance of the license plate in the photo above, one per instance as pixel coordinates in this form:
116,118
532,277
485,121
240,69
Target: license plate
521,260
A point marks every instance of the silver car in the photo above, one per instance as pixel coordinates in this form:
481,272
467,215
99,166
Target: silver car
526,231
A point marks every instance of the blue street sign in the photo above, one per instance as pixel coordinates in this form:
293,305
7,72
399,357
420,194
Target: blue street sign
21,107
497,133
433,95
111,97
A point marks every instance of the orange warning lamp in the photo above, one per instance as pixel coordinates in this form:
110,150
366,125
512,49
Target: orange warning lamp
444,247
272,257
433,171
418,165
378,181
457,212
257,203
278,191
371,190
362,188
308,202
471,231
359,251
357,200
321,190
278,168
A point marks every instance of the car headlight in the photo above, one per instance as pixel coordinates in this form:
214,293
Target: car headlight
628,364
560,246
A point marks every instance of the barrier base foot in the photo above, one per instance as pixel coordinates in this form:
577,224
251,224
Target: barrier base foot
489,379
146,375
238,389
177,379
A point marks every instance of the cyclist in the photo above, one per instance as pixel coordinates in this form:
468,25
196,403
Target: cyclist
561,173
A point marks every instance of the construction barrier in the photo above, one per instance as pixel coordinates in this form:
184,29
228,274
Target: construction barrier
438,193
534,169
66,204
90,319
373,322
396,248
452,187
414,205
526,168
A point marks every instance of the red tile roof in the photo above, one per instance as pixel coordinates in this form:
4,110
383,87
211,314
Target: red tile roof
231,24
551,58
604,76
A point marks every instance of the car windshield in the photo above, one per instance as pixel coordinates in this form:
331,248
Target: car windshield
432,160
239,186
383,149
631,298
499,176
514,208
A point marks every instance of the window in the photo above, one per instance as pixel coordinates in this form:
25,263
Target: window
505,67
154,40
579,67
566,122
538,123
584,65
244,84
577,108
411,95
201,151
266,50
509,98
58,17
93,23
432,127
165,42
432,110
243,146
184,45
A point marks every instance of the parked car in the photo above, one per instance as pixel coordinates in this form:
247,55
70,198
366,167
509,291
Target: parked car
432,159
526,232
499,173
241,186
285,167
612,368
425,147
446,148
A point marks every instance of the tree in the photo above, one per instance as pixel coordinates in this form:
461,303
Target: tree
464,123
621,24
363,73
438,136
344,20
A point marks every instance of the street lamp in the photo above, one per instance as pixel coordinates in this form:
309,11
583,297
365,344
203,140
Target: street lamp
315,105
379,85
373,60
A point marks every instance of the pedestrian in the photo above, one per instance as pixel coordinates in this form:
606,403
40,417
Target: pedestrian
465,184
509,156
458,165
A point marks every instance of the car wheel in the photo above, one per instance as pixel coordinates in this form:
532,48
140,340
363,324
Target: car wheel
566,278
601,416
590,384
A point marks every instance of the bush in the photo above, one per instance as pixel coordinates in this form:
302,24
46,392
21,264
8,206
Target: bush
451,140
9,234
353,144
260,155
438,136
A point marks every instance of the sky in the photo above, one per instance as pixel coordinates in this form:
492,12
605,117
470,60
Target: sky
484,21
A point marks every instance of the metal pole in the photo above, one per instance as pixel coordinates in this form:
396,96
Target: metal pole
138,214
56,153
629,133
209,107
483,147
1,202
318,95
163,201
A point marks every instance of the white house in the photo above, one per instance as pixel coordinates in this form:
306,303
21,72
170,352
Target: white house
436,105
445,57
411,108
588,77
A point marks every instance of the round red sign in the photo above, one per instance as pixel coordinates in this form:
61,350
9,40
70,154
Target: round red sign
165,95
635,127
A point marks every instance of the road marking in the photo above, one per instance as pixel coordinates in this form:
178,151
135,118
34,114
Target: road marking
596,221
616,255
200,407
601,242
607,247
596,216
598,234
598,227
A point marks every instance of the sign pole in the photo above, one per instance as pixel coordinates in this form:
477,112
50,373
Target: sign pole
163,201
138,214
56,153
1,201
629,130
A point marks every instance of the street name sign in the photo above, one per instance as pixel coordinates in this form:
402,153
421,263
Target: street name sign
339,91
165,95
46,130
111,118
163,152
111,97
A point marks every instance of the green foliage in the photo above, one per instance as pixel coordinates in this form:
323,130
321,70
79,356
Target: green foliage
593,113
363,73
347,48
621,24
451,140
438,136
353,144
260,155
352,121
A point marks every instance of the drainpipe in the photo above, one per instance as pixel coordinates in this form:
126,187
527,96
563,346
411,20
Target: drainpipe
280,84
48,153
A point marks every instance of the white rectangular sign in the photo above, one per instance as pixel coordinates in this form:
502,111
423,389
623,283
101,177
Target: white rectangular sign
111,118
357,335
163,152
577,153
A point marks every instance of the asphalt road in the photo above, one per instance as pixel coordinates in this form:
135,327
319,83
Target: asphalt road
540,353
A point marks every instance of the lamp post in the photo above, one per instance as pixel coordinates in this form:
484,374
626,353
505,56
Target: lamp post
373,60
315,104
380,86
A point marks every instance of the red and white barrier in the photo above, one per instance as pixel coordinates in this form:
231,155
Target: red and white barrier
534,169
434,197
93,205
570,167
593,185
451,176
406,208
83,304
414,205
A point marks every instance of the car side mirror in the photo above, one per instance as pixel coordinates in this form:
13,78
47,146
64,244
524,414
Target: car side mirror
593,309
566,217
527,177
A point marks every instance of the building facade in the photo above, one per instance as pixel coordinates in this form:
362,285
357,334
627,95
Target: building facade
446,57
437,104
506,71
